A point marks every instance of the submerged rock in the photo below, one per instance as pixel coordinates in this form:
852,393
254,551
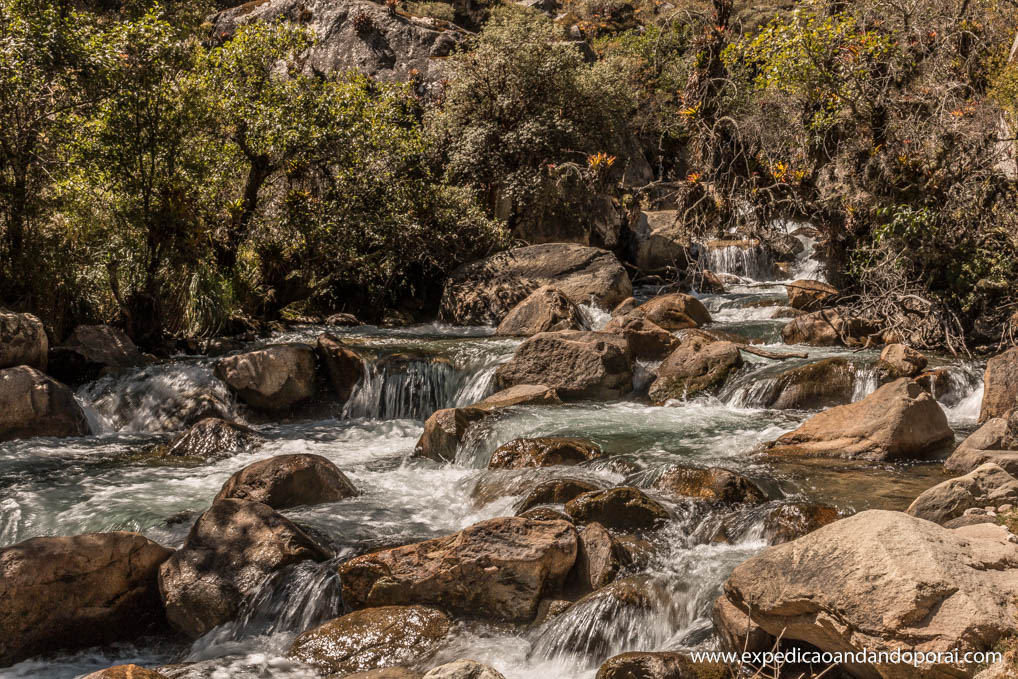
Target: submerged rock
32,404
274,378
712,483
286,481
1000,385
809,295
903,584
546,309
213,438
699,364
231,548
91,352
623,508
77,591
23,341
498,569
483,292
578,365
543,452
373,638
987,485
344,365
899,421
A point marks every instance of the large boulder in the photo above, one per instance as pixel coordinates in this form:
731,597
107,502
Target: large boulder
809,295
647,340
1000,385
213,438
903,584
344,365
578,365
677,311
658,242
826,328
712,483
92,351
899,421
544,310
900,360
286,481
828,382
599,559
463,669
72,592
32,404
373,638
230,550
996,441
988,484
357,35
735,629
22,341
699,364
498,569
543,451
623,508
274,378
484,292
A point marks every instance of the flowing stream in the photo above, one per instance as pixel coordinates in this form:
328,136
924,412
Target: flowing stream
110,481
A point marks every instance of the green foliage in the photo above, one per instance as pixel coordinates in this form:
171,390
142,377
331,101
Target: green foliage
436,10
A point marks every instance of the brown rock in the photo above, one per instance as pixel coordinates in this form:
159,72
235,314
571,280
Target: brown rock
23,341
92,351
284,481
809,295
736,631
521,394
899,421
1000,385
659,665
658,242
826,328
699,364
463,669
484,292
498,569
274,378
544,514
213,438
344,365
676,311
623,508
372,639
624,307
900,360
986,485
823,384
543,451
443,432
992,442
32,404
231,548
78,591
646,340
555,491
712,483
598,560
792,520
125,672
546,309
578,365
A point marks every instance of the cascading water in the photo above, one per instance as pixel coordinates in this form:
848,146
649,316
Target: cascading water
745,259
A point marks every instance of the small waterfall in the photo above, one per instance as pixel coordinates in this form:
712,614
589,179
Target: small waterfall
807,267
866,382
747,259
158,398
594,317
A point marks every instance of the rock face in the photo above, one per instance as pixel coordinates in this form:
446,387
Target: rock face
1000,385
544,310
657,665
658,242
900,360
543,452
578,365
231,548
344,365
713,483
904,583
646,339
72,592
498,569
463,669
274,378
125,672
826,383
391,46
899,421
699,364
988,484
996,441
213,438
32,404
92,351
23,341
809,295
826,328
676,311
483,292
288,481
623,508
372,638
